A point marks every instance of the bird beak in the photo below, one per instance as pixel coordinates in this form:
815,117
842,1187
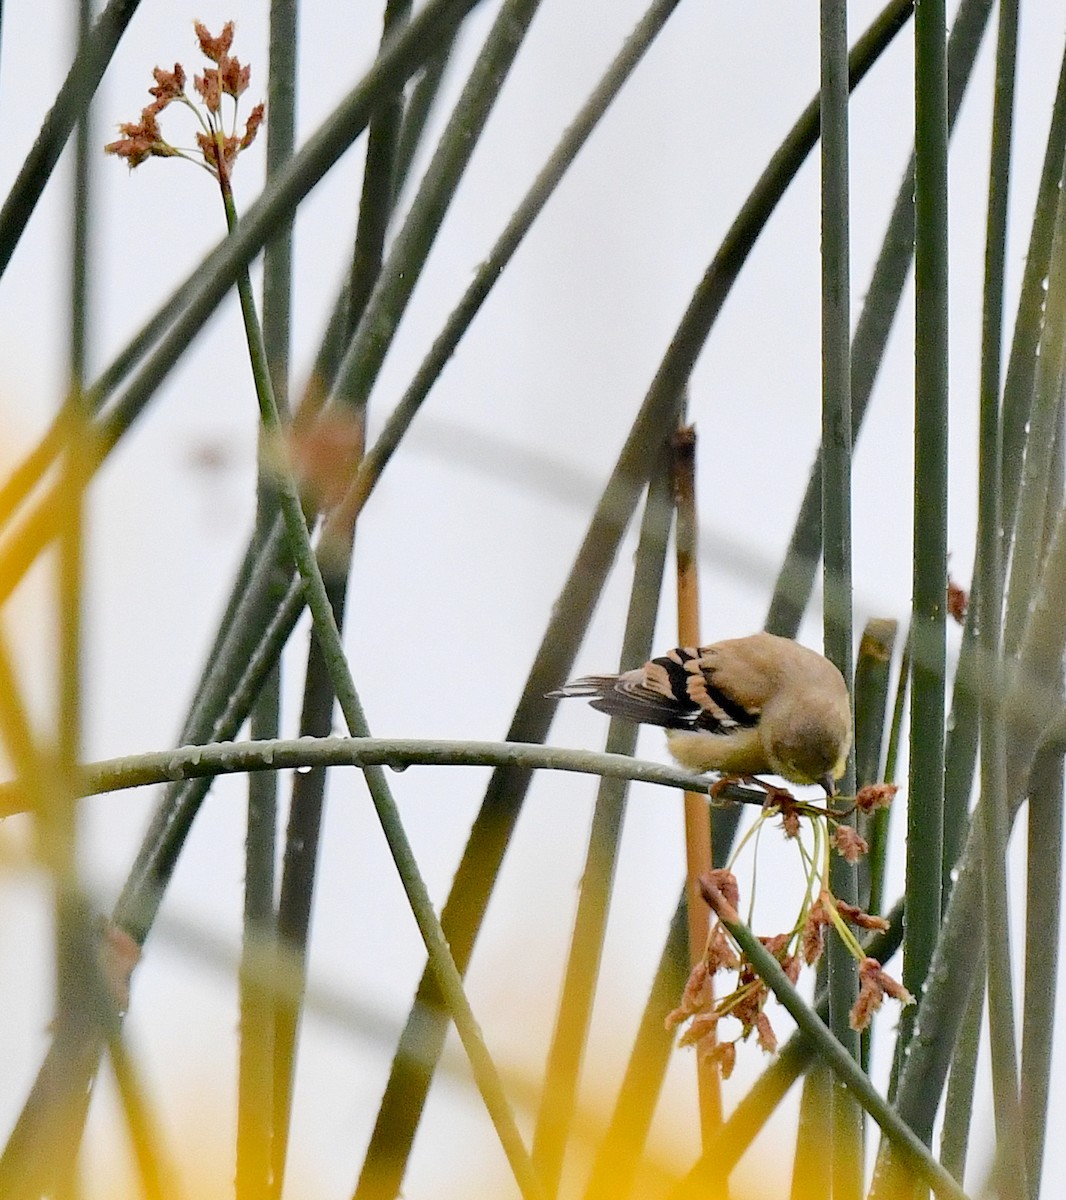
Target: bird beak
829,784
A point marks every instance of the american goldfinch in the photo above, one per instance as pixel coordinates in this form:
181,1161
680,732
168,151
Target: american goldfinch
747,706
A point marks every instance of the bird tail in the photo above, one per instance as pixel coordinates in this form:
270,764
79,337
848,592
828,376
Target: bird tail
626,696
587,685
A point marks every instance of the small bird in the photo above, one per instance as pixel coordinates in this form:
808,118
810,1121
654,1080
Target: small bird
743,707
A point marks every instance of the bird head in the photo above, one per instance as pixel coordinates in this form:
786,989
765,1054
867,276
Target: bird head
810,743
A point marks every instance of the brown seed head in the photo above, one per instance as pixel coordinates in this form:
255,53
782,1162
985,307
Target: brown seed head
722,1055
812,942
856,916
764,1032
169,85
140,141
851,846
875,795
251,126
958,602
233,77
874,985
214,48
209,87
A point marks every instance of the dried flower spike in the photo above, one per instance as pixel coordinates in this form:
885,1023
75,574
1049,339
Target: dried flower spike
874,985
853,914
214,48
140,141
813,939
218,146
875,795
958,602
851,846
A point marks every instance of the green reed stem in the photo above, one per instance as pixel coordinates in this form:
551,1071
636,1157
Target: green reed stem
559,1096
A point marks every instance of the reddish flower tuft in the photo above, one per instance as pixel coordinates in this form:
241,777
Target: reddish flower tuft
790,821
723,1055
874,985
851,846
251,126
875,795
764,1032
169,85
234,78
720,954
725,882
209,148
958,602
703,1026
218,148
214,48
856,916
695,998
324,454
812,942
778,946
209,87
140,141
119,954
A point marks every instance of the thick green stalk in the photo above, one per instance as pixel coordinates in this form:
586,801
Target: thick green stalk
1043,919
424,97
255,1082
1021,367
795,580
57,826
227,757
958,1101
813,1166
842,972
559,1097
618,1156
878,856
1032,701
154,1175
994,808
925,792
1043,910
872,681
1017,401
316,715
873,668
1032,511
